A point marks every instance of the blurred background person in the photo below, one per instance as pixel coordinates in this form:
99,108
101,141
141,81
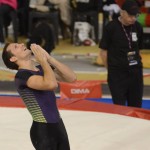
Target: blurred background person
64,8
6,6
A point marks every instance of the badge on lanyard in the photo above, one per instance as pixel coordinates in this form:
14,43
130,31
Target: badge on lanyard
134,37
132,58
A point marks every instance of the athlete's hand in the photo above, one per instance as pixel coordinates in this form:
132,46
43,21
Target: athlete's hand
50,59
43,51
38,53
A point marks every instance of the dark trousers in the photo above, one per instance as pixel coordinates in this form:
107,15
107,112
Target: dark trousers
126,87
4,12
49,136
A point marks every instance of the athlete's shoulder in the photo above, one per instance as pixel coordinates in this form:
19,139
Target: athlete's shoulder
23,74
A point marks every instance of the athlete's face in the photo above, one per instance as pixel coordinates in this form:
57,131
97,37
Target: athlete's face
127,18
19,51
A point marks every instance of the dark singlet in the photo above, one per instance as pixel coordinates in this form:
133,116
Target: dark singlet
41,104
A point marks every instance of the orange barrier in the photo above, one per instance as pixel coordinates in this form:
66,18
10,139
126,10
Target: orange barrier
81,89
83,105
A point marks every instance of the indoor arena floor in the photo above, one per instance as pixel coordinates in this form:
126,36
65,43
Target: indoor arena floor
86,130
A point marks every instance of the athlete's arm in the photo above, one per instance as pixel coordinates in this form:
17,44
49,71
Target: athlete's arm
48,80
62,71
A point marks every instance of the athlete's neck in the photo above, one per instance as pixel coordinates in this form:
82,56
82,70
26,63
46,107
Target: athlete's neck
30,65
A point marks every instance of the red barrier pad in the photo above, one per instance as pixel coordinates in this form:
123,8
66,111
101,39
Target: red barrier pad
86,105
81,90
11,101
83,105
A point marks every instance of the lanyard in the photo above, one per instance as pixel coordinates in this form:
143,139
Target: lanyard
128,36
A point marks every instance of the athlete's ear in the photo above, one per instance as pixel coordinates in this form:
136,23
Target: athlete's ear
13,59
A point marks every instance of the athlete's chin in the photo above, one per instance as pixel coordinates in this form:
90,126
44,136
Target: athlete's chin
29,52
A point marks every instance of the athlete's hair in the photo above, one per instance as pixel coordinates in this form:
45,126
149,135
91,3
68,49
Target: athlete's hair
6,55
